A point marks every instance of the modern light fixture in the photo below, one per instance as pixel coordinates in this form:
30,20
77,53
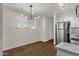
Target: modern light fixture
30,16
61,5
25,21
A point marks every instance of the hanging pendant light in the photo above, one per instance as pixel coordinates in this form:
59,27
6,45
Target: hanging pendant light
30,16
29,21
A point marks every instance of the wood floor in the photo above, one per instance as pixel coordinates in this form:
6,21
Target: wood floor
34,49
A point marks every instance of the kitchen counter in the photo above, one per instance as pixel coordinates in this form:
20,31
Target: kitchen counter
67,47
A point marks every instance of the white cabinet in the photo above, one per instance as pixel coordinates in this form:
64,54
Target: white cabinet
77,22
74,22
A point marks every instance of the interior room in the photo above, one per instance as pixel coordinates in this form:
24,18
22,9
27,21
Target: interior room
20,38
39,29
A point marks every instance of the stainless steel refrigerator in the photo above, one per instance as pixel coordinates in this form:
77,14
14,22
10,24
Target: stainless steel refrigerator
62,32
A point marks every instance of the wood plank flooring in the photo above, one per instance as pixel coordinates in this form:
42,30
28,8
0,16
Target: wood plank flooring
34,49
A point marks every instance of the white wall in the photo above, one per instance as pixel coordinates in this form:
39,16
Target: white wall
13,37
47,28
1,8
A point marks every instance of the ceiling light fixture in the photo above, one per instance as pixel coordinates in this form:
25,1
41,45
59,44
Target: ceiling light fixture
61,5
30,16
28,22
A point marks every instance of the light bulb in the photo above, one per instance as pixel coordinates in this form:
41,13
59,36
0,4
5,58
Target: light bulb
22,15
38,16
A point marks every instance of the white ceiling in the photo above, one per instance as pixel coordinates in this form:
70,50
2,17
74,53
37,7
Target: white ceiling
41,9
